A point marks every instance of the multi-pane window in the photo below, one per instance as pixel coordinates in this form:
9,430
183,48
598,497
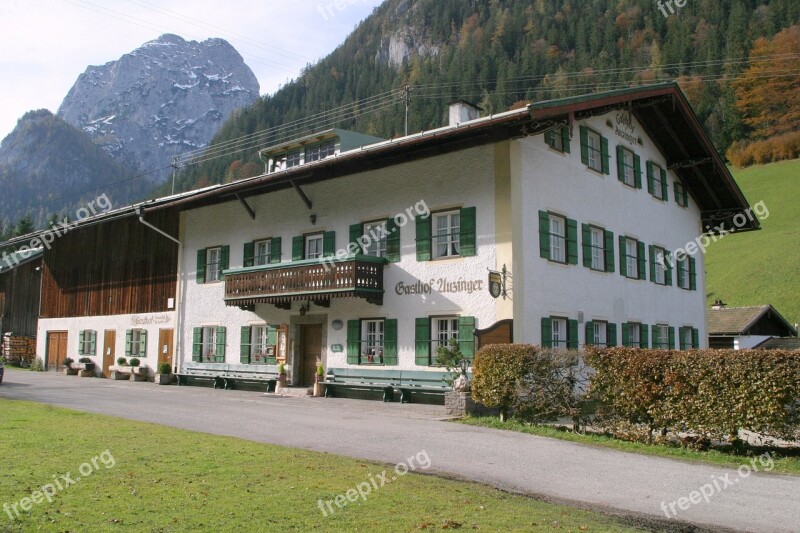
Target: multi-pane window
136,343
661,336
213,264
634,334
372,339
598,249
681,196
558,239
689,338
558,138
258,347
262,251
376,231
320,151
313,246
444,329
87,342
599,333
594,151
660,266
627,168
293,159
632,258
560,333
209,343
684,271
658,181
447,234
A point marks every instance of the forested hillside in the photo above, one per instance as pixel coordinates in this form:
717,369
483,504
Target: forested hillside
499,52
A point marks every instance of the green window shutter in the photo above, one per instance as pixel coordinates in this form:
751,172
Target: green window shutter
695,338
143,343
640,255
620,163
623,255
605,155
224,258
390,341
422,341
676,189
298,251
664,186
645,336
589,333
329,244
549,138
93,343
692,273
547,332
651,188
544,234
249,254
586,236
245,345
80,342
637,171
652,251
356,232
626,334
201,266
128,342
565,138
272,334
680,275
671,338
423,238
681,333
392,241
656,336
609,250
572,242
275,250
572,335
353,341
466,335
584,145
611,334
221,343
685,194
668,265
197,344
467,232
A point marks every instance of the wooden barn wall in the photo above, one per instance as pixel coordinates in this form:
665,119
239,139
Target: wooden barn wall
19,299
116,268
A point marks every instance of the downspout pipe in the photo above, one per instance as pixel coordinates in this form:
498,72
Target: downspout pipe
179,292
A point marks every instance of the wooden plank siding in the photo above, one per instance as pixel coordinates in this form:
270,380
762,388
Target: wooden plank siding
115,268
19,299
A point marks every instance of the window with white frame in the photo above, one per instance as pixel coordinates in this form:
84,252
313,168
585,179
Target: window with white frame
313,246
209,343
258,343
687,342
594,151
560,333
558,239
320,151
447,234
685,273
213,264
660,266
293,159
627,166
262,251
138,343
658,181
661,336
87,342
376,231
600,333
634,334
444,329
598,249
372,341
632,258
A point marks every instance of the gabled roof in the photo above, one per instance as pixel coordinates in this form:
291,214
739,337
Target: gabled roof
15,259
738,320
782,343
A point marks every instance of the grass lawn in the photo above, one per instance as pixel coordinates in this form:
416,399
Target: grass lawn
783,464
761,267
165,479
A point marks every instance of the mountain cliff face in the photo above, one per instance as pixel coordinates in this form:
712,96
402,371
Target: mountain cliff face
163,99
48,166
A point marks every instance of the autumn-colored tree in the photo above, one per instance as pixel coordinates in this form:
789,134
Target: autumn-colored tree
766,94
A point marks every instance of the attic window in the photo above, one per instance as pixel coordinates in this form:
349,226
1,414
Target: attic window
320,151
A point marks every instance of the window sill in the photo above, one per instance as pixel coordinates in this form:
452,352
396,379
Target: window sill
445,259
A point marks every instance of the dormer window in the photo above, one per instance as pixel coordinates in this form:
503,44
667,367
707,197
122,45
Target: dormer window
320,151
293,159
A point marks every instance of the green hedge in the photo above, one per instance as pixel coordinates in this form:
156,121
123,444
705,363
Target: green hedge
714,393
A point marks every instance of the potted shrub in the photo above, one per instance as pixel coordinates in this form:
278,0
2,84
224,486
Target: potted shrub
164,375
68,369
121,371
139,372
86,367
319,377
282,375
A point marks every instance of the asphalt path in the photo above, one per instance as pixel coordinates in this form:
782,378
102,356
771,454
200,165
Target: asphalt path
658,492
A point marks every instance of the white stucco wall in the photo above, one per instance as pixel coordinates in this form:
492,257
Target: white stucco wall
547,180
463,179
151,322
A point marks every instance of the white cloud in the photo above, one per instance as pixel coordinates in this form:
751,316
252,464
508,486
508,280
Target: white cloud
46,44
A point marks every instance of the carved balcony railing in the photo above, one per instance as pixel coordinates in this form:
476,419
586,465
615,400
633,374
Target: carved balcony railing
316,280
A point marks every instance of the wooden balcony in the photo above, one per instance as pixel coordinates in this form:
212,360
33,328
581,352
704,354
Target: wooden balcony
319,281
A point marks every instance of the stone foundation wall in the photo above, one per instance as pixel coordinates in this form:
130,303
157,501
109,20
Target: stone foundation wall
461,403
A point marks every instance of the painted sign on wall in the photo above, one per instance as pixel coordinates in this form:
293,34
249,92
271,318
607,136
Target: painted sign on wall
440,285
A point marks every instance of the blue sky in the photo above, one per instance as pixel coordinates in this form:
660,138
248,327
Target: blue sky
46,44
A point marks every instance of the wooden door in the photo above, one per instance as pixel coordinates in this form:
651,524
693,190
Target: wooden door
56,349
109,351
165,337
311,346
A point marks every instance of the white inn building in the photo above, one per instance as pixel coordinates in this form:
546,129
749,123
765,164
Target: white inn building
360,253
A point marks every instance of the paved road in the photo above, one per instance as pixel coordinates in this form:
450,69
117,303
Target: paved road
551,469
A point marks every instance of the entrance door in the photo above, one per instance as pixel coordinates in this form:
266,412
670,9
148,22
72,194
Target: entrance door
165,346
311,346
109,343
56,349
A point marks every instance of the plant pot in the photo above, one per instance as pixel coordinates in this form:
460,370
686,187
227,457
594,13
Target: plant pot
282,380
120,375
87,373
69,371
319,389
163,379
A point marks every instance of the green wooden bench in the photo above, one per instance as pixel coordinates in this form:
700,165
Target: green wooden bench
358,378
431,382
226,376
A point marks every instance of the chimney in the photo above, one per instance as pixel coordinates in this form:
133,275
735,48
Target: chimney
718,304
462,111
